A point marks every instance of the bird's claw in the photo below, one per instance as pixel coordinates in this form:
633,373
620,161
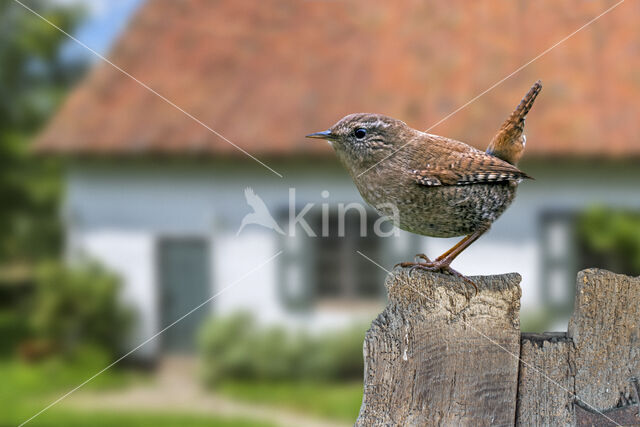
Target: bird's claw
423,257
410,264
435,266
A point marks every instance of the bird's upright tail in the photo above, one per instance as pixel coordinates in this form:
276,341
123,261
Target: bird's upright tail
508,144
525,105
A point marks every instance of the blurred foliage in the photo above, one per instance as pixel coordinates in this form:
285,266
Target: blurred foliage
34,78
235,347
78,306
611,239
538,320
13,330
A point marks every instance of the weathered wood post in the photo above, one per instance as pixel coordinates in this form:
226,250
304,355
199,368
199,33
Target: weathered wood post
583,377
434,357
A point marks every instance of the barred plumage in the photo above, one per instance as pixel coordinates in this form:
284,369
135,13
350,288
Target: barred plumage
429,184
508,144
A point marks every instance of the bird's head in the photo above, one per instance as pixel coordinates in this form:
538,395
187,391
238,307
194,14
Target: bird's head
363,139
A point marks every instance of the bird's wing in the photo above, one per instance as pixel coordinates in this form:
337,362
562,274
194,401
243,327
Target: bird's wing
254,200
459,164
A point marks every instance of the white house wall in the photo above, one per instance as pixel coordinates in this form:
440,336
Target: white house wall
118,212
233,258
130,255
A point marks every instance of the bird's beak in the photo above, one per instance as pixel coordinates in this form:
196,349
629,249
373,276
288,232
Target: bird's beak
322,135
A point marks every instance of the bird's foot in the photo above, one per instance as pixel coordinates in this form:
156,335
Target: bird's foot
439,266
423,257
427,262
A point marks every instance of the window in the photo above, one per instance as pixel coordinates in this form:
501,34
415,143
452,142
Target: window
339,271
327,268
568,240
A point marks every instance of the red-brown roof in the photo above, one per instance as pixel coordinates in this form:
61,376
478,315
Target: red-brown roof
265,73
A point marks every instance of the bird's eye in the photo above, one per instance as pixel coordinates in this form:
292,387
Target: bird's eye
360,133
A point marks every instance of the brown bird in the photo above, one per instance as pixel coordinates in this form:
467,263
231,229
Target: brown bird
429,184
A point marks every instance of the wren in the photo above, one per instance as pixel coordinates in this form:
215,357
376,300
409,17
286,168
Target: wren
432,185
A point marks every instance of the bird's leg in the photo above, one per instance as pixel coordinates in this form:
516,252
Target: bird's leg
442,263
448,257
455,247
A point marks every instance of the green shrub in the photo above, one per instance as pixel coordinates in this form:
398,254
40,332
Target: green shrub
235,347
223,343
13,330
79,306
613,237
336,355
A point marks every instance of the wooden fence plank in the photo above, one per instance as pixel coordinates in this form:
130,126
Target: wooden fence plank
605,328
432,356
545,386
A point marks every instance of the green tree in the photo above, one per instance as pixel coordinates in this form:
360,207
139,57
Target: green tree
34,76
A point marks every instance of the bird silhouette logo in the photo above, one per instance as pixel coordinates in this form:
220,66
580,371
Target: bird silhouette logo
260,215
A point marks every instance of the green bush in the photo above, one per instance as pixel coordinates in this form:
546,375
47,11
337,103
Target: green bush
236,348
79,306
613,235
336,355
13,330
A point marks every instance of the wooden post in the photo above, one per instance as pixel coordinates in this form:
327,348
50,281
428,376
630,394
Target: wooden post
592,364
605,329
546,384
434,357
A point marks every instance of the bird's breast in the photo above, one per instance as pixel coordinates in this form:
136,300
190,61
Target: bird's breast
439,211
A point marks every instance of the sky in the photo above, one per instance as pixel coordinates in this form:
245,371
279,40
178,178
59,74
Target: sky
105,20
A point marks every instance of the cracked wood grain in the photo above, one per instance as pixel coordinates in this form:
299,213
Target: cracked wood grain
435,357
605,328
432,356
